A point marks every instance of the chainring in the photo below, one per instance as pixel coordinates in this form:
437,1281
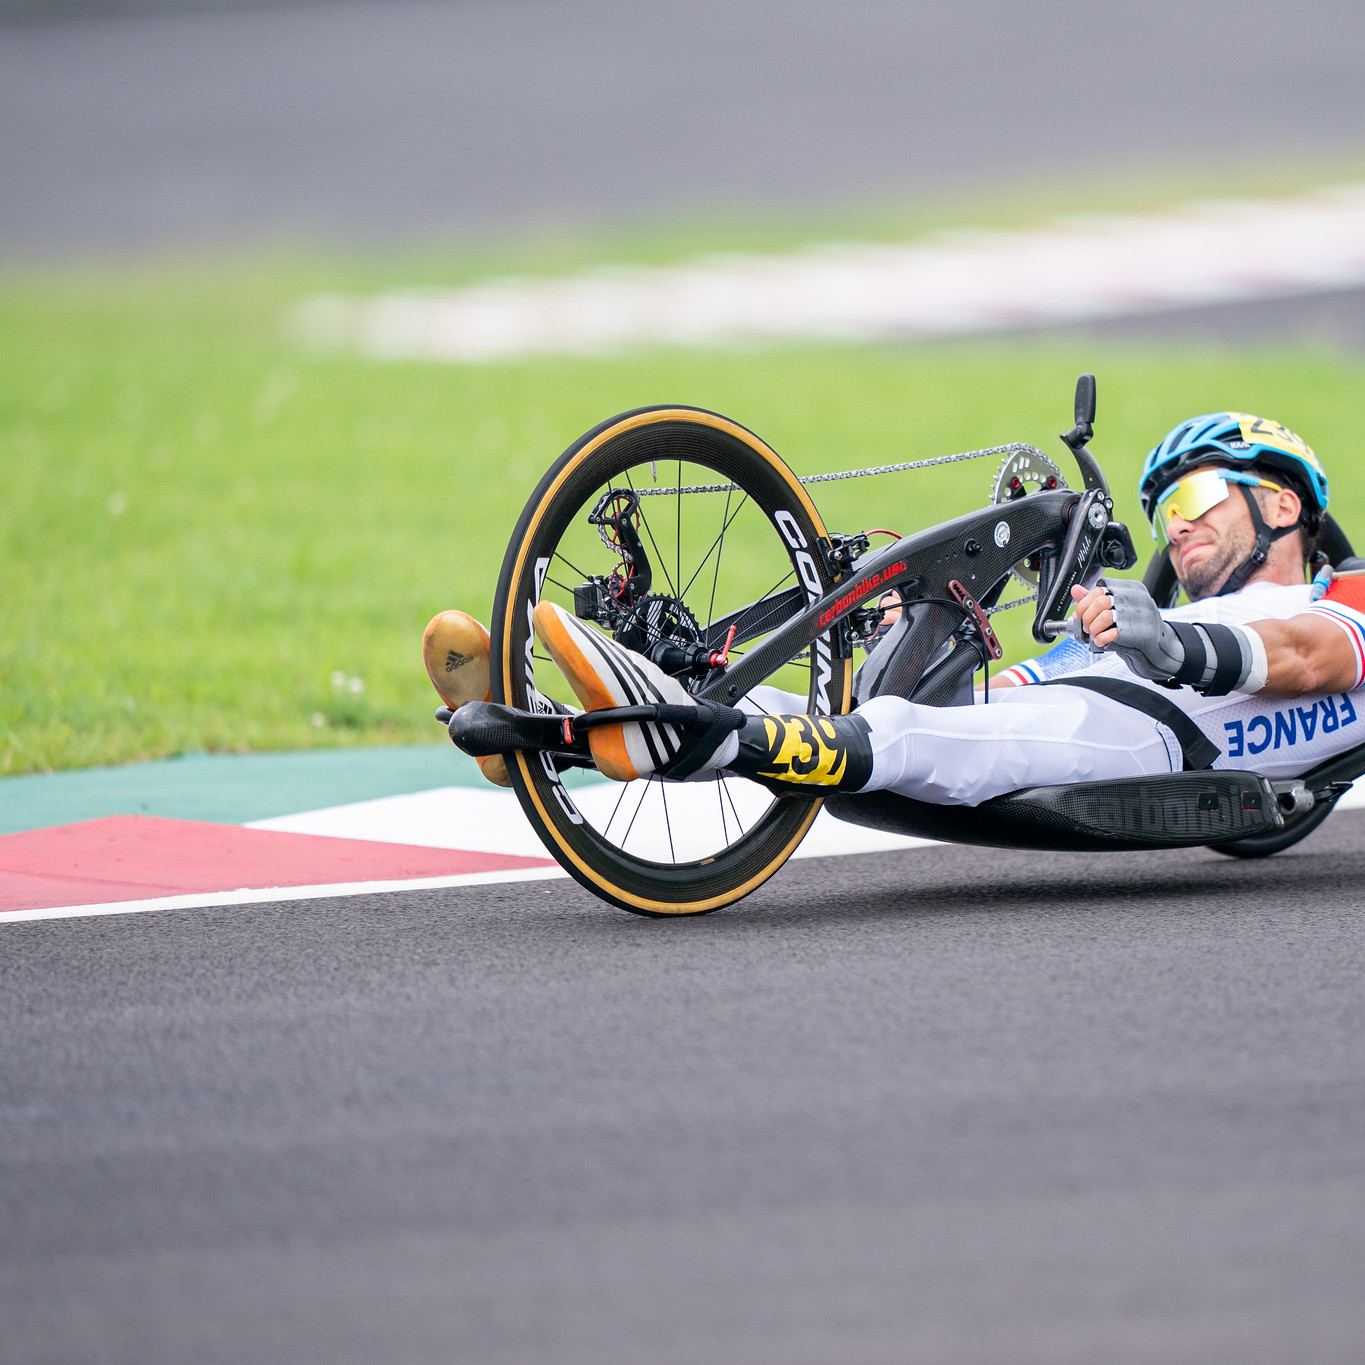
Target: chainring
1023,472
657,617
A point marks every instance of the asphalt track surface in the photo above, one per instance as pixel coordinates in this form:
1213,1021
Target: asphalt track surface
946,1105
374,121
943,1105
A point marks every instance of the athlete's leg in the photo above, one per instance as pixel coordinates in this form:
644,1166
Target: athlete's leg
962,755
954,755
947,755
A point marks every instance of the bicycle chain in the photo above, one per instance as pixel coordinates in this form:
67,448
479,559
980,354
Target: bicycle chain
1012,448
1018,602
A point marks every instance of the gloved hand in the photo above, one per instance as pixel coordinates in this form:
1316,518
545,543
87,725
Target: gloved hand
1213,658
1146,642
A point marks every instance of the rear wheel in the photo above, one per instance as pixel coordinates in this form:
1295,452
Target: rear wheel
718,523
1277,840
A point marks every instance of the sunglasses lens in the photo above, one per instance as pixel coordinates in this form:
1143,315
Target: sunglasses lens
1188,498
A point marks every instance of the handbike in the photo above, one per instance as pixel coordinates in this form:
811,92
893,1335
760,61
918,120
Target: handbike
687,538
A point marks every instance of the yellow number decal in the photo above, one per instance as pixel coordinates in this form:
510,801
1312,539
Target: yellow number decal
1259,431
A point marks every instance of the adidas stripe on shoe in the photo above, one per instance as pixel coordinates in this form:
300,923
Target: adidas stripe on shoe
605,674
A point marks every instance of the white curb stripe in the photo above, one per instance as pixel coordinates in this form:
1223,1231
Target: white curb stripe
952,284
492,821
450,817
829,837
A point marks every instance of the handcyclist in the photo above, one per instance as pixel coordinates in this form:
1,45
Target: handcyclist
1267,666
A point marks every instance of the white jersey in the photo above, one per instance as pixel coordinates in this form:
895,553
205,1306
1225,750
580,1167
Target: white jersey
1277,736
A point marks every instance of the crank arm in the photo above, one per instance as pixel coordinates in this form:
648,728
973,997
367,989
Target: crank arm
481,728
1089,517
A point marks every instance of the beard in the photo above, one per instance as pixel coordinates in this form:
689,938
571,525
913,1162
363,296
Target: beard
1205,578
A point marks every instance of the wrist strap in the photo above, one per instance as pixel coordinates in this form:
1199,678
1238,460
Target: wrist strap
1228,661
1258,672
1218,659
1191,672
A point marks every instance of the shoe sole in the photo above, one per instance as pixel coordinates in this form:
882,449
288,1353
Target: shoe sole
455,650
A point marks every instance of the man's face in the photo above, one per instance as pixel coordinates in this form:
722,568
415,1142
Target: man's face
1205,551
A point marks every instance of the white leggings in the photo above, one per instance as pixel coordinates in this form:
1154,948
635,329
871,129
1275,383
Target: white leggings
1025,737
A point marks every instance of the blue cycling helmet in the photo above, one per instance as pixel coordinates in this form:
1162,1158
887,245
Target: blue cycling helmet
1235,439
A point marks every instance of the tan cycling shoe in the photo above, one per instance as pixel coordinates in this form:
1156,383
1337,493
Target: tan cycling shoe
455,650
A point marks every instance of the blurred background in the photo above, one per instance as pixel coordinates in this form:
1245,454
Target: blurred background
148,124
207,522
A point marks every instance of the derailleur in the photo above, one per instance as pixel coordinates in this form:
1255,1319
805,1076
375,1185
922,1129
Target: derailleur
657,625
606,598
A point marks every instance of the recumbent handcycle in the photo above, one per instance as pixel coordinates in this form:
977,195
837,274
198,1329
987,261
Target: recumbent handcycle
687,538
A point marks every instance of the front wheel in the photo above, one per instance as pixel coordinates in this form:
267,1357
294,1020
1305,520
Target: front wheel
665,525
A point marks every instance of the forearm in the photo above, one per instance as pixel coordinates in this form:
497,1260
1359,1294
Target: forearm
1305,654
1321,650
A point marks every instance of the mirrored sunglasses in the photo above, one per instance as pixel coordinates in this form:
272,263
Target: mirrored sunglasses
1190,497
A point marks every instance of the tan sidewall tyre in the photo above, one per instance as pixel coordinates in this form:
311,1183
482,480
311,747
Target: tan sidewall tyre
663,433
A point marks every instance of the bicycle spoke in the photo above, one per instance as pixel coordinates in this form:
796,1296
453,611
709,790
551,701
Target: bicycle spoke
633,818
572,565
720,801
730,797
793,662
663,793
715,577
625,787
719,541
752,611
791,573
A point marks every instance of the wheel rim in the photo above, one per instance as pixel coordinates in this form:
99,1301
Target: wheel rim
651,846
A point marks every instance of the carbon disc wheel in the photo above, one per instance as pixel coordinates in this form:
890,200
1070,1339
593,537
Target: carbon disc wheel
721,525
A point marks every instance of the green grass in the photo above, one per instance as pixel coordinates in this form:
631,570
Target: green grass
201,527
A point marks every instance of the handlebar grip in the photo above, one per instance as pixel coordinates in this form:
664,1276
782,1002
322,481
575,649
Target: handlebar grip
1085,401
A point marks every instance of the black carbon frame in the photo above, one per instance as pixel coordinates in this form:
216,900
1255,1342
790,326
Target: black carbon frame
966,549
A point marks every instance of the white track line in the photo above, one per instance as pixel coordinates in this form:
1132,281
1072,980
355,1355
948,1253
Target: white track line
270,894
456,818
479,819
1353,800
952,284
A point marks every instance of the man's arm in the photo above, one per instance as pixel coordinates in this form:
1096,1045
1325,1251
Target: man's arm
1319,650
1306,653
